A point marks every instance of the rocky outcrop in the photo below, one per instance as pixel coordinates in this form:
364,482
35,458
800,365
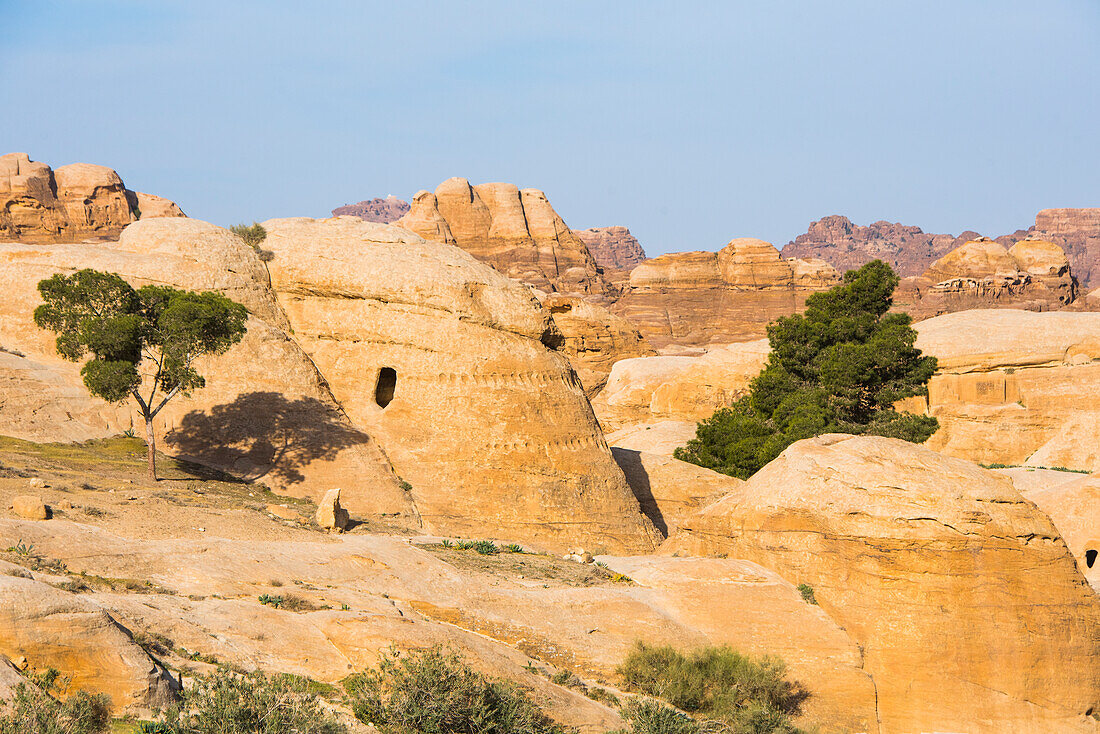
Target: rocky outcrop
516,231
1077,231
614,248
696,298
74,202
1015,387
1033,274
678,388
925,560
445,362
50,628
593,338
383,211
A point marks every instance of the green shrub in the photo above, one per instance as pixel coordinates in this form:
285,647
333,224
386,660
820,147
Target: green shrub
837,368
513,548
270,600
807,593
433,691
252,237
750,695
253,703
34,711
647,716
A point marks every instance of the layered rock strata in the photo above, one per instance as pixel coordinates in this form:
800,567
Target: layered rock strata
383,211
924,560
78,201
615,249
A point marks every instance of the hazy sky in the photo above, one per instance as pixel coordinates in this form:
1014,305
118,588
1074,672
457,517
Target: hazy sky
689,122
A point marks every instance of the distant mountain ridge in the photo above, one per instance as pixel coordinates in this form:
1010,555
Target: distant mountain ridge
383,211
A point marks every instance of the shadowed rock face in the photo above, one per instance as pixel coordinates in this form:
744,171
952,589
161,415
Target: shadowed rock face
516,231
966,603
74,202
383,211
697,298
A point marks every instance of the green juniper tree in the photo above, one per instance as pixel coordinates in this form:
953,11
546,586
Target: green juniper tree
837,368
122,329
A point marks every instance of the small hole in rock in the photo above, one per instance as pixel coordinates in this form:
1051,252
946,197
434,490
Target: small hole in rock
387,383
1090,557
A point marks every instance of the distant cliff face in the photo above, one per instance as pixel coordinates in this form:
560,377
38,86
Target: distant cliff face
613,247
383,211
1077,231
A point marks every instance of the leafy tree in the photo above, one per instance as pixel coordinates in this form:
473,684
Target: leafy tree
122,329
837,368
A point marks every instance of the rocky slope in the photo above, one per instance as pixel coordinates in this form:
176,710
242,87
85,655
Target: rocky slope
614,248
924,560
698,298
1077,231
75,202
383,211
516,231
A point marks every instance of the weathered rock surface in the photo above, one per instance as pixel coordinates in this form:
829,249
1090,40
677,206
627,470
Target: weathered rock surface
678,388
614,248
516,231
55,629
1015,387
696,298
593,338
330,513
658,437
74,202
30,507
444,361
1034,275
383,211
925,560
1077,231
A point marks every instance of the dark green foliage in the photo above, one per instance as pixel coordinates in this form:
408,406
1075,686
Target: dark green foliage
647,716
253,703
837,368
434,692
807,593
99,314
748,695
252,237
33,710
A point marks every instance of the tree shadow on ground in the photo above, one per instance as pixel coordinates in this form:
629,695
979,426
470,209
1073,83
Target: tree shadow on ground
263,434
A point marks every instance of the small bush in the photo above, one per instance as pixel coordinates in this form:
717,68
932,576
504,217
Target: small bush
34,711
717,683
513,548
602,695
269,600
229,703
647,716
433,691
252,237
807,593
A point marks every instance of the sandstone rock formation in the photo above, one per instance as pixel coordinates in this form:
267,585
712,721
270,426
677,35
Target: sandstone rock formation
30,507
55,629
696,298
445,362
74,202
926,561
657,437
330,513
383,211
516,231
614,248
1034,275
678,388
1015,386
1077,231
593,338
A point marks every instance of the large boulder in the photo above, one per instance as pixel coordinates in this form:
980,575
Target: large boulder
78,201
516,231
698,298
966,602
1015,387
445,361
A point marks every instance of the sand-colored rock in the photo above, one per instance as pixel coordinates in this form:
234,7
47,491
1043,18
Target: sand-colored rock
1077,231
593,338
697,298
516,231
30,507
445,362
330,514
56,629
964,599
1015,387
266,413
74,202
670,490
678,388
658,437
615,249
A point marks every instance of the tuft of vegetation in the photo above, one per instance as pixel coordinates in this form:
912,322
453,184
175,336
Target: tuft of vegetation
253,235
231,703
647,716
512,548
807,593
837,368
483,547
34,709
435,692
270,600
716,683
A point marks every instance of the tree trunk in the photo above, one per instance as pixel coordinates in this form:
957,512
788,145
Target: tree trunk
149,440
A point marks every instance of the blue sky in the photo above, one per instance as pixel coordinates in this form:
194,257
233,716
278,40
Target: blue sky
689,122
